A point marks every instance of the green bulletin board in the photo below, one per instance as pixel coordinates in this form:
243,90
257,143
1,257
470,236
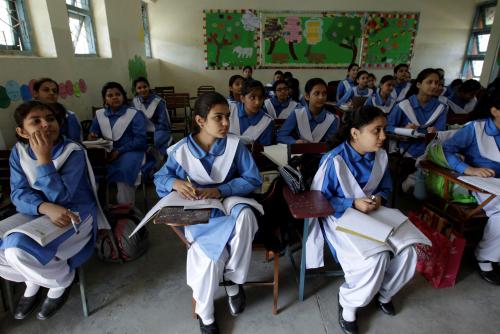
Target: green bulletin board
231,38
325,40
389,39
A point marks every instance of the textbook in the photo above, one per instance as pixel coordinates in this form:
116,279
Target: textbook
408,132
384,229
40,229
278,154
174,199
99,143
490,184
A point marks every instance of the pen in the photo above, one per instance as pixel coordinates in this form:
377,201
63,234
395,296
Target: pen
190,184
74,225
373,199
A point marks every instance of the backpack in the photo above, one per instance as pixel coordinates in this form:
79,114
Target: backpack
117,246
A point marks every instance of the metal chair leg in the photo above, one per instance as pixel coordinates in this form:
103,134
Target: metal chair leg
303,260
83,295
8,295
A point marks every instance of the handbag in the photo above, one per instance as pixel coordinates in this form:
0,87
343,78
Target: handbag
293,178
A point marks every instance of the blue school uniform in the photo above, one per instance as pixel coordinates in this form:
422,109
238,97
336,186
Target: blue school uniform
400,90
460,106
290,131
157,119
240,122
131,144
68,186
277,109
344,86
376,101
464,142
354,91
71,127
432,115
241,179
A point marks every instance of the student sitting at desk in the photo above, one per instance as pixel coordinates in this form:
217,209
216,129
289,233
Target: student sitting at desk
235,85
402,76
311,123
361,89
464,99
49,176
126,127
382,98
479,143
280,105
355,174
157,119
348,82
46,90
218,165
248,119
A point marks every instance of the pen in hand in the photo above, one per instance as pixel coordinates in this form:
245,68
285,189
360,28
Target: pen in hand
188,180
373,198
73,222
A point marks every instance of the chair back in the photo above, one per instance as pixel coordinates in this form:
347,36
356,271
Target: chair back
205,89
164,90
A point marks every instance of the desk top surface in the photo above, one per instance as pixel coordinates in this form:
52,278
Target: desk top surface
177,216
308,204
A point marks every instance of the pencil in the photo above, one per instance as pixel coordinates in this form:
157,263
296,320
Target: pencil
190,184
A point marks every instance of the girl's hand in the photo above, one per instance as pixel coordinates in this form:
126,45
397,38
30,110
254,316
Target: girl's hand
185,189
113,156
92,136
411,126
301,141
204,193
432,129
41,146
365,205
482,172
59,215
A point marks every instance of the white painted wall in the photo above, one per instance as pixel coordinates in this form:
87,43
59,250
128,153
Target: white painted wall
177,34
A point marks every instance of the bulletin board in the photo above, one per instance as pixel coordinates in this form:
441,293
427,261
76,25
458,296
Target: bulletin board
231,38
389,39
315,39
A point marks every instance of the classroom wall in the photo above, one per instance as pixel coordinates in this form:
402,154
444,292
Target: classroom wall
177,34
120,40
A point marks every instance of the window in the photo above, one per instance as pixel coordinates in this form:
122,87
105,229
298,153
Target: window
145,25
14,27
80,24
478,41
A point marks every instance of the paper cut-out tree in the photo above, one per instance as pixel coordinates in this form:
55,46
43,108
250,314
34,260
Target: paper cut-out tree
313,33
345,32
292,33
273,31
221,34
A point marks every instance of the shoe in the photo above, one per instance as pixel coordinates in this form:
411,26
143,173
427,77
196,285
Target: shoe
26,305
209,329
348,327
491,276
237,302
51,305
387,308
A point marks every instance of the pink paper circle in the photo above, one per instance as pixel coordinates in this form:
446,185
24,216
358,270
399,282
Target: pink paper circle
83,85
69,88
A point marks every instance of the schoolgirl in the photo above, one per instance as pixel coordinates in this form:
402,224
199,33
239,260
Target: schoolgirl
247,72
464,99
479,144
401,74
47,90
126,127
48,178
235,86
372,81
361,89
155,110
248,119
218,165
355,174
280,105
311,123
348,82
382,98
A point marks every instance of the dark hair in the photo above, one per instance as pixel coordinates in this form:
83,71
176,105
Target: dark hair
140,79
279,82
351,65
278,72
250,85
204,103
232,80
398,66
248,67
386,78
456,82
313,82
490,99
287,75
360,117
111,85
25,108
40,82
371,75
420,77
470,85
360,73
440,72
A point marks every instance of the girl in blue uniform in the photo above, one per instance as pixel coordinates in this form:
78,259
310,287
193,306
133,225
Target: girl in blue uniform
126,127
348,82
235,86
280,105
464,99
49,177
401,74
47,90
361,89
382,98
155,110
355,175
479,144
248,119
311,123
211,163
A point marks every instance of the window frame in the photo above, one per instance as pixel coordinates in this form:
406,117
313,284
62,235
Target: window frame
145,25
473,41
23,32
86,14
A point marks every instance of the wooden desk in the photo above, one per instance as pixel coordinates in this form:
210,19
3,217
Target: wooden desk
307,205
